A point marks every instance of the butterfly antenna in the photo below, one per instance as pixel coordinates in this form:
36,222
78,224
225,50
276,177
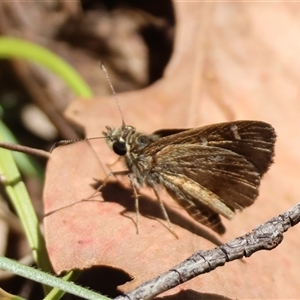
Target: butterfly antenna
113,91
69,142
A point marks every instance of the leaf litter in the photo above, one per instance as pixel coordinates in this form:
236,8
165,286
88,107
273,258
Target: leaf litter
211,82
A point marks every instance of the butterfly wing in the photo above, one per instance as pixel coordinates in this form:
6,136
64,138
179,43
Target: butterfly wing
254,140
214,169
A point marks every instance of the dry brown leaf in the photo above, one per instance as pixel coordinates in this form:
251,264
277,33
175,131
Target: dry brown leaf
231,61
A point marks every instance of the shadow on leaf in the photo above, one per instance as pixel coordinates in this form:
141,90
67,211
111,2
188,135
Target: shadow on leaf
150,208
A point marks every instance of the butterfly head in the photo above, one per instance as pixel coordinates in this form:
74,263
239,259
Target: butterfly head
119,139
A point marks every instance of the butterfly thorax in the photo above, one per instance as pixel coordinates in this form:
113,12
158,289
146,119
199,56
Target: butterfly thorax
129,143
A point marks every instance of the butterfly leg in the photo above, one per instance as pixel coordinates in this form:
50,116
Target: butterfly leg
112,164
162,205
136,198
111,172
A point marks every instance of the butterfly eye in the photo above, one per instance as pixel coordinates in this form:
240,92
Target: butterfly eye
119,147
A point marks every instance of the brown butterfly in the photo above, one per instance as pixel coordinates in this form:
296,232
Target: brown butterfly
211,170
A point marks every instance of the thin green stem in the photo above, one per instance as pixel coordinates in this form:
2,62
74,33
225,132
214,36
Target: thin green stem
48,279
11,48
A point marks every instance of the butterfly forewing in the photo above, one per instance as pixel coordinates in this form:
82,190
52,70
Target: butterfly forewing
256,143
